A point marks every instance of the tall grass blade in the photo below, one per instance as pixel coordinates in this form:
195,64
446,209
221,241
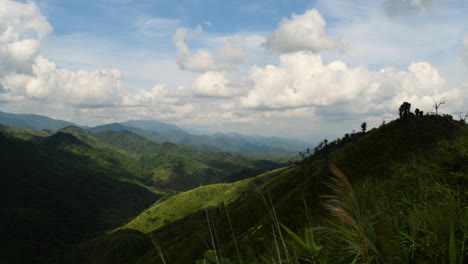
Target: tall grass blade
452,247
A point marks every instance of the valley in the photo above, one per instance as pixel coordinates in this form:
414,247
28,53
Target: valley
114,196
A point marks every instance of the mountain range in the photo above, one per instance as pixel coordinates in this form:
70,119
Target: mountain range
395,194
253,146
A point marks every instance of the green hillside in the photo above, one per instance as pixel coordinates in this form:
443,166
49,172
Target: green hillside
187,203
61,188
406,203
169,166
57,191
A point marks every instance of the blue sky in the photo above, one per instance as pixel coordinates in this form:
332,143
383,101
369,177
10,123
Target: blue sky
227,16
307,69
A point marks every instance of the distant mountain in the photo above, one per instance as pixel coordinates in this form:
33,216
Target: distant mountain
151,125
109,127
233,142
254,146
406,178
31,121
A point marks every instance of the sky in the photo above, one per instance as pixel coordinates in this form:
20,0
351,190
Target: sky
307,69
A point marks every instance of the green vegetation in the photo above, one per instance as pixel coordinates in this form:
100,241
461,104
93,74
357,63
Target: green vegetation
394,194
399,196
256,147
186,203
62,188
169,166
57,191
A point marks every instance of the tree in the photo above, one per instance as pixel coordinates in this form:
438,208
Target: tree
364,127
418,112
438,104
405,110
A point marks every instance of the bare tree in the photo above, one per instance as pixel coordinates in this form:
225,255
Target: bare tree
438,104
462,117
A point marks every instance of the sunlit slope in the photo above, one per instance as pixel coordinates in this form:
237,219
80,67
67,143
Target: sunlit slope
186,203
383,154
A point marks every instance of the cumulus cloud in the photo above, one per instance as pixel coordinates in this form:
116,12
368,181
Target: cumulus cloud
26,75
79,88
214,84
301,88
156,96
400,7
304,32
22,27
203,60
302,80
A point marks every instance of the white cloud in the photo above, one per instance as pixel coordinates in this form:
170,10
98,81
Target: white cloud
214,84
203,60
304,32
79,88
302,80
221,92
156,96
22,26
24,75
377,41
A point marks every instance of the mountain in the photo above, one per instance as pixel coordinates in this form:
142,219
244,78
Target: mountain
255,146
62,188
396,195
109,127
57,190
167,165
152,125
31,121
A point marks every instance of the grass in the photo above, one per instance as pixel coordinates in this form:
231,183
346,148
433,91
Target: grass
349,223
186,203
403,200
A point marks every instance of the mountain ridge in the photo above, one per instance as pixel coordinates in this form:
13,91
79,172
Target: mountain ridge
255,146
394,156
32,121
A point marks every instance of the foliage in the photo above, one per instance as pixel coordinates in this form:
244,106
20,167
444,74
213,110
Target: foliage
400,196
57,191
169,166
186,203
405,110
